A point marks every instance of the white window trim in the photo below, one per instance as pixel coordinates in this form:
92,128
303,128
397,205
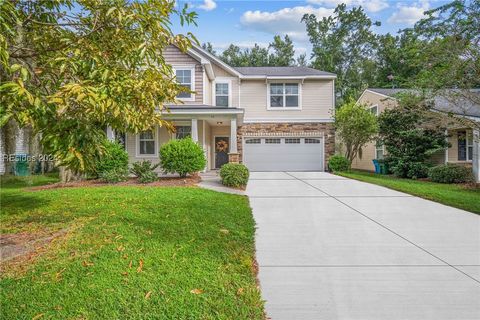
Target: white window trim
469,143
374,106
214,95
192,79
182,125
284,108
155,144
376,150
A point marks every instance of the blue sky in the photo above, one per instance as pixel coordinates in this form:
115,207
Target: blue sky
246,22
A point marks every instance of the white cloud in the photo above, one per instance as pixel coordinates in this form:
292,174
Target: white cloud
208,5
284,21
409,14
369,5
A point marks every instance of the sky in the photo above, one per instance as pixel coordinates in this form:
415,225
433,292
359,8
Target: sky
246,22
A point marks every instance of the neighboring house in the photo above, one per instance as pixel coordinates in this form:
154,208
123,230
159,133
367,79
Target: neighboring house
460,136
270,118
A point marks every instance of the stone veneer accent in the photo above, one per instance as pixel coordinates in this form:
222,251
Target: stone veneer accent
288,129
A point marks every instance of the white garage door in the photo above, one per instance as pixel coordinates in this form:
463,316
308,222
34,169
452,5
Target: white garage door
283,154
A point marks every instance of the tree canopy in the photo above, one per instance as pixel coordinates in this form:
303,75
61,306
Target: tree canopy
280,52
69,68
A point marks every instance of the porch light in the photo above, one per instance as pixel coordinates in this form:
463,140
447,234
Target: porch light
219,122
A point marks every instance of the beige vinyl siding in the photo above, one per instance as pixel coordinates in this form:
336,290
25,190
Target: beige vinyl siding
162,136
175,57
222,74
371,99
366,162
316,97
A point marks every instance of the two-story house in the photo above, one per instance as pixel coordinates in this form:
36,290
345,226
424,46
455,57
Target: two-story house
269,118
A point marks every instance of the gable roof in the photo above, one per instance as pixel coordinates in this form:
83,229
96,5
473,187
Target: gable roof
455,102
282,71
260,72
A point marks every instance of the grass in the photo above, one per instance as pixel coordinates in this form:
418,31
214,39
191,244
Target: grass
131,253
454,195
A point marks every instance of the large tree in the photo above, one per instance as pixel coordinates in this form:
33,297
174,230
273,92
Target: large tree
344,43
451,59
70,68
282,52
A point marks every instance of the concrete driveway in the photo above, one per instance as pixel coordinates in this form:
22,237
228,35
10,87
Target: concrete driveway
334,248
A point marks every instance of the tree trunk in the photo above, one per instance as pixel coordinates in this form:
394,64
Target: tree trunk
67,175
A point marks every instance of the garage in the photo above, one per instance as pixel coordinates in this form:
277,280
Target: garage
283,153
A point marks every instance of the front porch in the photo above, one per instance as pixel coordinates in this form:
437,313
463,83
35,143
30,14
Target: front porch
212,128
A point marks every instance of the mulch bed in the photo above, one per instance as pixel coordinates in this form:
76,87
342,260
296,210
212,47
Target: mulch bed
161,182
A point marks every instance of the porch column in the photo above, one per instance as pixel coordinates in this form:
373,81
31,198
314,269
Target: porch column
233,135
476,154
110,134
195,130
233,152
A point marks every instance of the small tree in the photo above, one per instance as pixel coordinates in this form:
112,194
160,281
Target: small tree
409,138
356,126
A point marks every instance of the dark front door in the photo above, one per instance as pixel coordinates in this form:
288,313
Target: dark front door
221,151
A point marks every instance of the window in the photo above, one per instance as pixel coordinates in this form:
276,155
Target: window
284,95
379,150
311,140
221,94
470,146
146,143
465,146
185,79
292,140
272,140
374,110
183,132
253,141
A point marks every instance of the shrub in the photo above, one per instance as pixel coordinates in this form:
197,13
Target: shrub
234,175
145,171
338,163
115,157
182,156
450,173
403,168
114,175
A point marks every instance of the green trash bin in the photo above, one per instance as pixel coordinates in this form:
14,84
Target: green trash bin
21,165
383,167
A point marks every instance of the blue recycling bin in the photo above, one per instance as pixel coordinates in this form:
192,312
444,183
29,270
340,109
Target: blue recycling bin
21,165
377,165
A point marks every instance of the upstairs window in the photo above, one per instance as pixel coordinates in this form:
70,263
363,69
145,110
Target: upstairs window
221,94
185,79
284,95
146,143
374,110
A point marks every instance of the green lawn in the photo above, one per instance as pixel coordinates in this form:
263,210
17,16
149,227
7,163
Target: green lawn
450,194
196,247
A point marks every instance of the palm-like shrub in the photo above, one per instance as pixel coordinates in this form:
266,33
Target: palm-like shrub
182,156
145,171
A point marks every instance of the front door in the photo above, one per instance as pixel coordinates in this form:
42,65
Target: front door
221,151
